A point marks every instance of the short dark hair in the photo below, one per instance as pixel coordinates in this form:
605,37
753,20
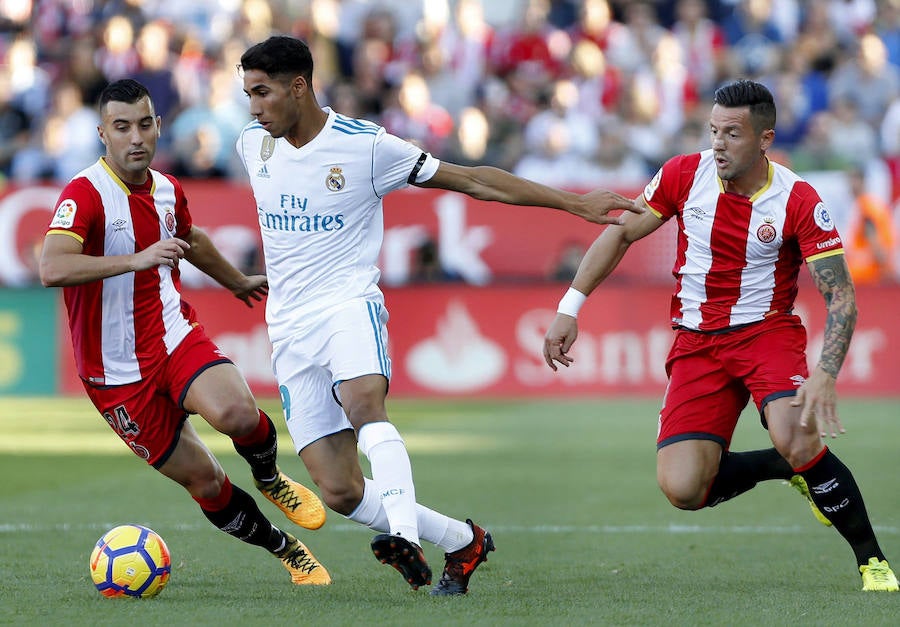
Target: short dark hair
278,56
747,93
125,90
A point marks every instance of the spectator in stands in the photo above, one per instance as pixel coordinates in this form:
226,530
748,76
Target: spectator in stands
68,142
887,27
560,106
702,43
866,79
596,24
615,163
599,84
117,56
753,37
816,151
471,142
15,126
851,135
155,71
553,161
204,135
528,48
29,84
416,118
643,34
871,240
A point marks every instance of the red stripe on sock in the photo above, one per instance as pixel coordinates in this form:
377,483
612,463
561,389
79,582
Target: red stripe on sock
258,435
812,462
219,502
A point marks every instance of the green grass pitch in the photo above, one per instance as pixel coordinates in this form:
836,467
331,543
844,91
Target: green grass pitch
568,489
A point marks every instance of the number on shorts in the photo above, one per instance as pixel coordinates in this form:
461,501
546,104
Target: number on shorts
122,423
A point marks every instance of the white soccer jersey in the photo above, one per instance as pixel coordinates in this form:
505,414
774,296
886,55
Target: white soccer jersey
320,212
738,258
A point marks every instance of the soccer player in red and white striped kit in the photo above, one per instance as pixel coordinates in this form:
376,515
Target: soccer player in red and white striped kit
114,245
745,226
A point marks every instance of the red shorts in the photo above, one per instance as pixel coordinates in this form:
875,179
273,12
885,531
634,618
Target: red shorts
712,376
148,414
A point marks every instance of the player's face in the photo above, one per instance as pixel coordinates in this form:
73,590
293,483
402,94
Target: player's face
736,145
272,102
130,132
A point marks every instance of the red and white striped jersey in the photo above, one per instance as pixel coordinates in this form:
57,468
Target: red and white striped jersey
738,258
123,326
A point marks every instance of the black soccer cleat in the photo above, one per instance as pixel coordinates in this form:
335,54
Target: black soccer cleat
405,556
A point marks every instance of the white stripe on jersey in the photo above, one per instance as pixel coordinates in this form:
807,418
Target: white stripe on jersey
117,339
173,320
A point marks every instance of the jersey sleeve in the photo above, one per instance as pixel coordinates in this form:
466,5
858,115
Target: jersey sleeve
666,191
396,163
78,211
812,224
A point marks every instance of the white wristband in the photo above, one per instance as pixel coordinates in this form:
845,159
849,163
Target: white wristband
571,302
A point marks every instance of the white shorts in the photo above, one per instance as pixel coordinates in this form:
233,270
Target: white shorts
340,343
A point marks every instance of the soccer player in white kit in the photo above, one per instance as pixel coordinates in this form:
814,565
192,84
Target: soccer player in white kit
318,178
745,226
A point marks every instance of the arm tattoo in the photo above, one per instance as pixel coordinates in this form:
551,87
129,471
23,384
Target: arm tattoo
832,278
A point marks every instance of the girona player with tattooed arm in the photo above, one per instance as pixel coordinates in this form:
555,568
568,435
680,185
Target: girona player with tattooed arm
745,226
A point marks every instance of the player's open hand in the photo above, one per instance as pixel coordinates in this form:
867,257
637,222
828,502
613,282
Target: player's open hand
595,207
252,288
818,400
165,252
559,339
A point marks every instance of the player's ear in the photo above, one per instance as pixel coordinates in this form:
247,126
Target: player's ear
158,125
767,139
299,85
100,134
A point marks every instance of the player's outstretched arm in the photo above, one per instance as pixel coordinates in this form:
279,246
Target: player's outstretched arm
601,258
63,262
817,396
489,183
204,254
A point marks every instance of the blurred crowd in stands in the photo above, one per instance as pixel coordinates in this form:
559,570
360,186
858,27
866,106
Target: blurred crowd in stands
573,93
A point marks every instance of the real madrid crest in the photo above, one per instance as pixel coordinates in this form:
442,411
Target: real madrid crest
335,180
267,147
766,232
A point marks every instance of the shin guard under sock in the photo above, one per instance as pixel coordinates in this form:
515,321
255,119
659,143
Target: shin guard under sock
835,493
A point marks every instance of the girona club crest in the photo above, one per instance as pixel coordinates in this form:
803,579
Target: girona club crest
170,220
766,232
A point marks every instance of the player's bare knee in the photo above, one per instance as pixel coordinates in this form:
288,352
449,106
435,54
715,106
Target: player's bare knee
682,495
236,417
205,483
340,497
799,451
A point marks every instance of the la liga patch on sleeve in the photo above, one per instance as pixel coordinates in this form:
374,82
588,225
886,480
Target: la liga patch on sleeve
822,217
64,216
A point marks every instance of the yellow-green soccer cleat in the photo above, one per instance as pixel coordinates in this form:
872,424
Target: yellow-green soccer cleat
299,503
304,568
878,576
799,483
